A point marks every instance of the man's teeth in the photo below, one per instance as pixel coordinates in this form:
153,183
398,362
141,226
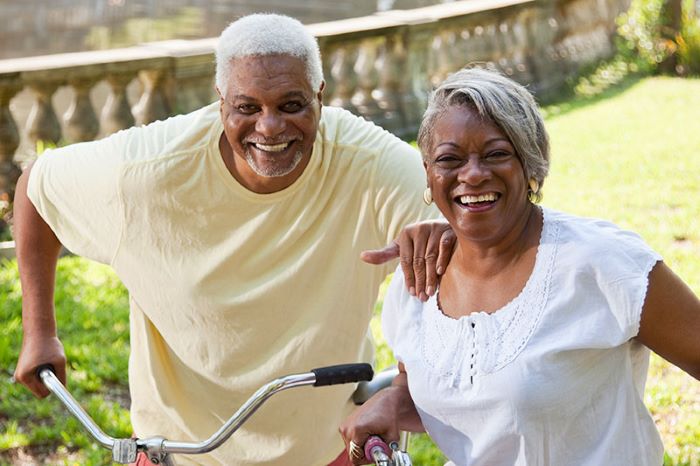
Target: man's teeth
490,197
272,148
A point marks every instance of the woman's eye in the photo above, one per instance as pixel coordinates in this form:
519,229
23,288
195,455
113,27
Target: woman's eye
447,161
497,155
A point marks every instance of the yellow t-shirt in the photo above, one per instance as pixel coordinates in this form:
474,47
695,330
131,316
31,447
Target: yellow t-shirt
230,289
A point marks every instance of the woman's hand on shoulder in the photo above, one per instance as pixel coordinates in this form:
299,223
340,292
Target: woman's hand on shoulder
670,324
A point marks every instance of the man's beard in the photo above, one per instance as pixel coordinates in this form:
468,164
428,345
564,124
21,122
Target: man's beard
273,170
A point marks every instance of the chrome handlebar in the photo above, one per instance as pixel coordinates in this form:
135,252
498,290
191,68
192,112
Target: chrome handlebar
124,451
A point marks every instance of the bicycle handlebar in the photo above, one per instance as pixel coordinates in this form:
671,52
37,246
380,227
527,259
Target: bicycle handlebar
124,451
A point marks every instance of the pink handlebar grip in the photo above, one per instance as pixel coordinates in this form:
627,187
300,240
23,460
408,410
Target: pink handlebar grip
373,442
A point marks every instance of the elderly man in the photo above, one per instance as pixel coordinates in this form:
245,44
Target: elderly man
236,230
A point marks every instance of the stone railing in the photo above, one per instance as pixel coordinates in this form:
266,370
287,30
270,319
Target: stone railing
381,67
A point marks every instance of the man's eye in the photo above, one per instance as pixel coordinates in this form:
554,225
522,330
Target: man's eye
292,107
247,109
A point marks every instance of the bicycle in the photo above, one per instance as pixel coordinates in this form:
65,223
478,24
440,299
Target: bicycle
159,450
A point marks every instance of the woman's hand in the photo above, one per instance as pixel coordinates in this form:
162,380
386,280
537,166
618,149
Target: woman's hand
425,249
387,412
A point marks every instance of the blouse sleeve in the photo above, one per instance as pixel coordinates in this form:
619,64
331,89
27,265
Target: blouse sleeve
622,273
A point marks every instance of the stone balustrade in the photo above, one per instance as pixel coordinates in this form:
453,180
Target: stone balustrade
381,67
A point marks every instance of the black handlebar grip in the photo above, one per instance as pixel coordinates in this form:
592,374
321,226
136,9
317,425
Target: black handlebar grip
42,367
342,373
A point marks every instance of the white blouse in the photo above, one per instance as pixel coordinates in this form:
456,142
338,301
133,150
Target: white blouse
552,378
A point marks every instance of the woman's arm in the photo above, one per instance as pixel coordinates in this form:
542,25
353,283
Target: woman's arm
670,324
385,414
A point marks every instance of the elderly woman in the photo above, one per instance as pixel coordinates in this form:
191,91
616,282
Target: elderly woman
535,349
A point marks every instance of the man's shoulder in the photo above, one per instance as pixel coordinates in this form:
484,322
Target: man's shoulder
341,127
177,134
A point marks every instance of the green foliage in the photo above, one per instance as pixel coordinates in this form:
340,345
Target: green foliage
689,44
640,30
646,41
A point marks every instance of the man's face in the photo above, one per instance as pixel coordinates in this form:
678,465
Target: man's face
270,115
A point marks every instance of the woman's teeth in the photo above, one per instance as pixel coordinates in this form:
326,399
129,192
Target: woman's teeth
490,197
272,147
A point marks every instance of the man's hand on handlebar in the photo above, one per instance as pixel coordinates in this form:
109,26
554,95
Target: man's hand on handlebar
424,249
378,416
36,352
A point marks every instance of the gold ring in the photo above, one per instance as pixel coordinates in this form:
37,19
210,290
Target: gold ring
355,450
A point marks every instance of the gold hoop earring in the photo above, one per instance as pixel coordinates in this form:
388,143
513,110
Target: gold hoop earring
428,196
534,186
533,191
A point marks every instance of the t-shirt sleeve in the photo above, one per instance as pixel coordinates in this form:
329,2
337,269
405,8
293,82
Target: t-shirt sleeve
75,189
391,313
399,181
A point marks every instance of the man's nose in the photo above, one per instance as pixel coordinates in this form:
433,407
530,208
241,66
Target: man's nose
270,123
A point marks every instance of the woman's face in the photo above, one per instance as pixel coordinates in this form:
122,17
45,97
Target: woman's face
476,178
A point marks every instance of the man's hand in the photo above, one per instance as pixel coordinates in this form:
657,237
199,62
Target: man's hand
388,411
37,352
425,249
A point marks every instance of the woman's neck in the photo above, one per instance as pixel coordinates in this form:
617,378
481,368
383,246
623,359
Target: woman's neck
485,276
485,258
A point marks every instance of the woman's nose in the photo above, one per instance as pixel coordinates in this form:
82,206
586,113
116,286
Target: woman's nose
474,172
270,123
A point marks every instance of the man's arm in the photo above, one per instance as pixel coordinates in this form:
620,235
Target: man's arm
37,255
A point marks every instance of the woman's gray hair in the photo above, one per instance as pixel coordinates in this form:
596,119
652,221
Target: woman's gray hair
267,34
500,100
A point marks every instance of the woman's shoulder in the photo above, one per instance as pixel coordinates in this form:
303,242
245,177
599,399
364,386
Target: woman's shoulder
598,243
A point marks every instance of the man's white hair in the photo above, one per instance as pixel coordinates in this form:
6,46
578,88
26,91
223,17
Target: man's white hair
267,34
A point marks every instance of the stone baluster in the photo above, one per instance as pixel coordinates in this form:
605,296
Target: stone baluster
153,104
9,141
193,82
42,123
194,92
416,86
116,113
344,77
367,79
80,118
326,54
521,48
391,67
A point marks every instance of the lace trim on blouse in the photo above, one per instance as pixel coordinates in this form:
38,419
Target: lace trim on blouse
459,350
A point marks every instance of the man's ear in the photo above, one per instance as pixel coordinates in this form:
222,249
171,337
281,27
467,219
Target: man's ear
319,95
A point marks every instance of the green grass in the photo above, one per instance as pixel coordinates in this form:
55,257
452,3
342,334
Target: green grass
629,155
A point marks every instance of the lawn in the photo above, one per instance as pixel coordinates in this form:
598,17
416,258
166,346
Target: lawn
630,155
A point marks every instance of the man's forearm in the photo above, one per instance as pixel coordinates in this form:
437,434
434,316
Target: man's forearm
37,254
